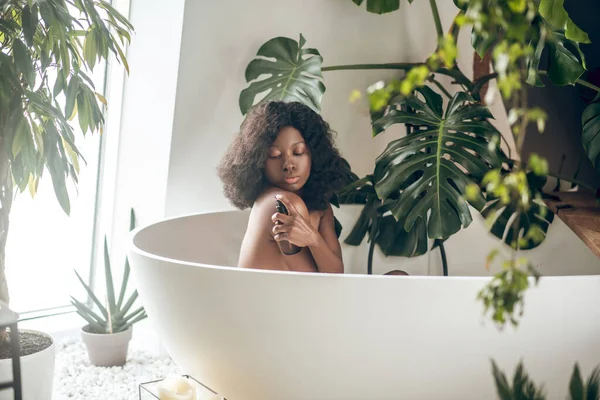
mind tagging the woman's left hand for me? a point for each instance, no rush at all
(294, 227)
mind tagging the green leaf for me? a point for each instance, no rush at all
(139, 318)
(58, 173)
(28, 27)
(501, 217)
(593, 385)
(131, 220)
(361, 227)
(83, 309)
(110, 288)
(380, 6)
(555, 14)
(427, 167)
(93, 296)
(59, 85)
(564, 67)
(121, 313)
(116, 14)
(293, 71)
(134, 314)
(24, 62)
(71, 97)
(394, 240)
(482, 44)
(576, 389)
(89, 49)
(591, 131)
(533, 77)
(122, 57)
(502, 385)
(124, 281)
(83, 313)
(20, 137)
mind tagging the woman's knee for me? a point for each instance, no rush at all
(396, 272)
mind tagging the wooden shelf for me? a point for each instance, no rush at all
(581, 213)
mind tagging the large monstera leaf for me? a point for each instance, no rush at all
(374, 220)
(555, 14)
(501, 218)
(591, 131)
(293, 74)
(432, 166)
(566, 61)
(380, 6)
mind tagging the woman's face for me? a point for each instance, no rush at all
(288, 160)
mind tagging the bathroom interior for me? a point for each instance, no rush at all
(149, 193)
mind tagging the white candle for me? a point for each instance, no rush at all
(177, 388)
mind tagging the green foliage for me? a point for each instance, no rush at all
(504, 295)
(423, 183)
(580, 391)
(46, 47)
(380, 6)
(115, 316)
(555, 14)
(443, 57)
(523, 388)
(288, 79)
(519, 32)
(591, 131)
(375, 220)
(516, 198)
(434, 158)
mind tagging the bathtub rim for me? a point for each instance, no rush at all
(133, 248)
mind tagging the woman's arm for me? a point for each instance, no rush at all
(322, 242)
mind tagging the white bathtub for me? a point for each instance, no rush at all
(263, 335)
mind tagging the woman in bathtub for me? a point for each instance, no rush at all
(285, 151)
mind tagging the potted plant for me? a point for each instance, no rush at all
(451, 156)
(109, 329)
(46, 49)
(425, 184)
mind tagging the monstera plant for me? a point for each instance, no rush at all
(591, 132)
(425, 185)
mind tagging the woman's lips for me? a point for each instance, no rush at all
(291, 181)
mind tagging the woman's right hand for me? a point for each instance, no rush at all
(293, 227)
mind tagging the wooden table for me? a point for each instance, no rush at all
(581, 213)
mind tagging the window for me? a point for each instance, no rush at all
(45, 245)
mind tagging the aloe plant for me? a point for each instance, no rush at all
(115, 316)
(523, 388)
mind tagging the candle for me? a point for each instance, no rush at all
(177, 388)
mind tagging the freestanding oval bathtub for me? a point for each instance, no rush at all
(263, 335)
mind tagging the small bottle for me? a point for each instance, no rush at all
(286, 247)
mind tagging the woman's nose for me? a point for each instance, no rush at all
(287, 164)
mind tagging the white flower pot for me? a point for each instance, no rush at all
(37, 373)
(107, 349)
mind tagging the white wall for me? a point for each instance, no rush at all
(137, 139)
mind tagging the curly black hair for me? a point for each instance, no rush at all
(242, 168)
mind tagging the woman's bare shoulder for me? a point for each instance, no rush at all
(266, 200)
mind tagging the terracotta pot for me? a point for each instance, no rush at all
(37, 372)
(107, 349)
